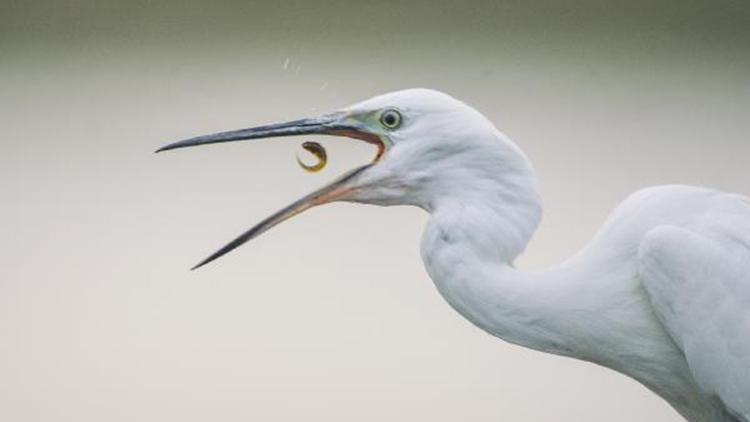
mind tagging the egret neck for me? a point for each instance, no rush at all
(475, 232)
(590, 307)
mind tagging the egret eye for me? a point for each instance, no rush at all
(390, 119)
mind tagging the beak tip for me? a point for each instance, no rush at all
(202, 263)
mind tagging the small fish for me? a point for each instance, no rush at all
(319, 152)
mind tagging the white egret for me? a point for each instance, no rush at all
(661, 294)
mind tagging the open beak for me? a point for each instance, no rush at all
(330, 124)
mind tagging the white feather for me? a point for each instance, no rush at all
(661, 294)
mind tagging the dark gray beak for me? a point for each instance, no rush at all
(327, 124)
(330, 124)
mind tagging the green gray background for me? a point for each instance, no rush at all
(331, 315)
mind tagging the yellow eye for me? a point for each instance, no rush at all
(390, 119)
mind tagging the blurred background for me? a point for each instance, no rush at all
(330, 316)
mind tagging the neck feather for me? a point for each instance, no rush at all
(468, 248)
(473, 236)
(589, 307)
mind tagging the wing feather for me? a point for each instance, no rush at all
(699, 286)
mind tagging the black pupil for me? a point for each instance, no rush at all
(390, 119)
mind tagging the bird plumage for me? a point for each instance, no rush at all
(661, 293)
(598, 306)
(697, 277)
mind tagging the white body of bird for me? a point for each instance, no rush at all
(661, 294)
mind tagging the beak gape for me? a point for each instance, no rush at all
(330, 124)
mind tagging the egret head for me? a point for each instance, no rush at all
(430, 146)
